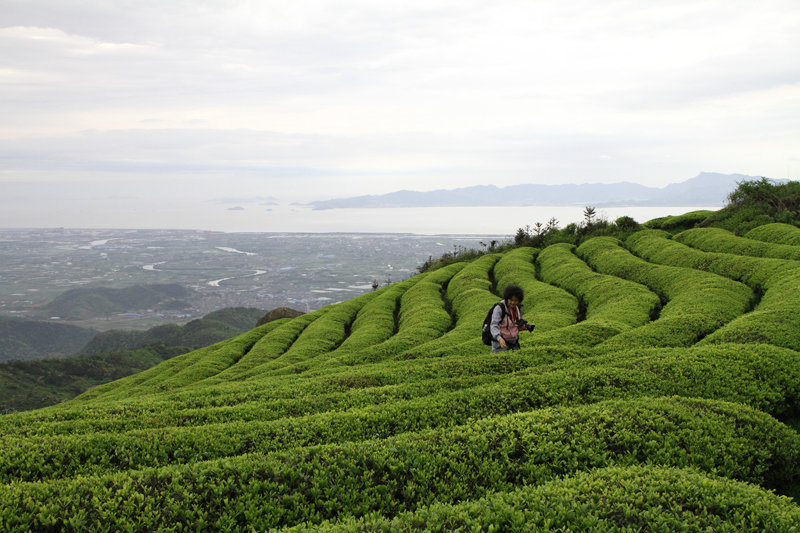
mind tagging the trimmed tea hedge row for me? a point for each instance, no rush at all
(183, 369)
(720, 240)
(613, 305)
(764, 377)
(778, 313)
(679, 222)
(659, 247)
(697, 302)
(470, 293)
(546, 306)
(344, 388)
(470, 296)
(328, 417)
(401, 473)
(777, 233)
(377, 321)
(629, 498)
(271, 346)
(474, 275)
(317, 341)
(422, 317)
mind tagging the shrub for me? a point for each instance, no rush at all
(720, 240)
(546, 306)
(423, 314)
(680, 222)
(609, 499)
(697, 302)
(612, 305)
(778, 233)
(401, 473)
(774, 319)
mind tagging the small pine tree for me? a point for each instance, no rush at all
(589, 213)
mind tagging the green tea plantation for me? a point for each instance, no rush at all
(660, 391)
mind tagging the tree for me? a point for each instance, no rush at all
(589, 214)
(765, 194)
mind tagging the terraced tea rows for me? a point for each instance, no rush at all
(660, 390)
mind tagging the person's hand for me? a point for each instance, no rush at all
(503, 343)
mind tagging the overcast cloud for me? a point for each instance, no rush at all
(308, 100)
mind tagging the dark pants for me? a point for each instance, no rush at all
(511, 345)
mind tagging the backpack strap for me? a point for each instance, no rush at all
(502, 305)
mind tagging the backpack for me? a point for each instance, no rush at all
(487, 333)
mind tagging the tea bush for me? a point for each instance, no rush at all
(697, 303)
(614, 498)
(612, 305)
(400, 473)
(720, 240)
(777, 232)
(548, 307)
(659, 392)
(778, 311)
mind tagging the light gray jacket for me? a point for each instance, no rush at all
(498, 315)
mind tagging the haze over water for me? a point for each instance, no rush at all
(418, 220)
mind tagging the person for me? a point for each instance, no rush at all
(507, 321)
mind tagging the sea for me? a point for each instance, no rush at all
(297, 218)
(420, 220)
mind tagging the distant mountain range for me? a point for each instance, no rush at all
(707, 189)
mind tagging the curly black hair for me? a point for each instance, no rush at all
(513, 290)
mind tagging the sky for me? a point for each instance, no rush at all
(121, 107)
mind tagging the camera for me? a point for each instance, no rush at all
(523, 324)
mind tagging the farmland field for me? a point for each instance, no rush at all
(260, 270)
(660, 391)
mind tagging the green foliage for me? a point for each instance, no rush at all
(423, 314)
(497, 387)
(777, 233)
(400, 473)
(675, 223)
(214, 327)
(33, 384)
(277, 314)
(82, 303)
(22, 339)
(461, 254)
(758, 202)
(112, 355)
(377, 321)
(773, 320)
(469, 296)
(607, 499)
(541, 235)
(658, 392)
(720, 240)
(546, 306)
(773, 199)
(696, 303)
(611, 305)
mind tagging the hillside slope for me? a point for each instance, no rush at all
(22, 339)
(214, 327)
(110, 355)
(659, 391)
(82, 303)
